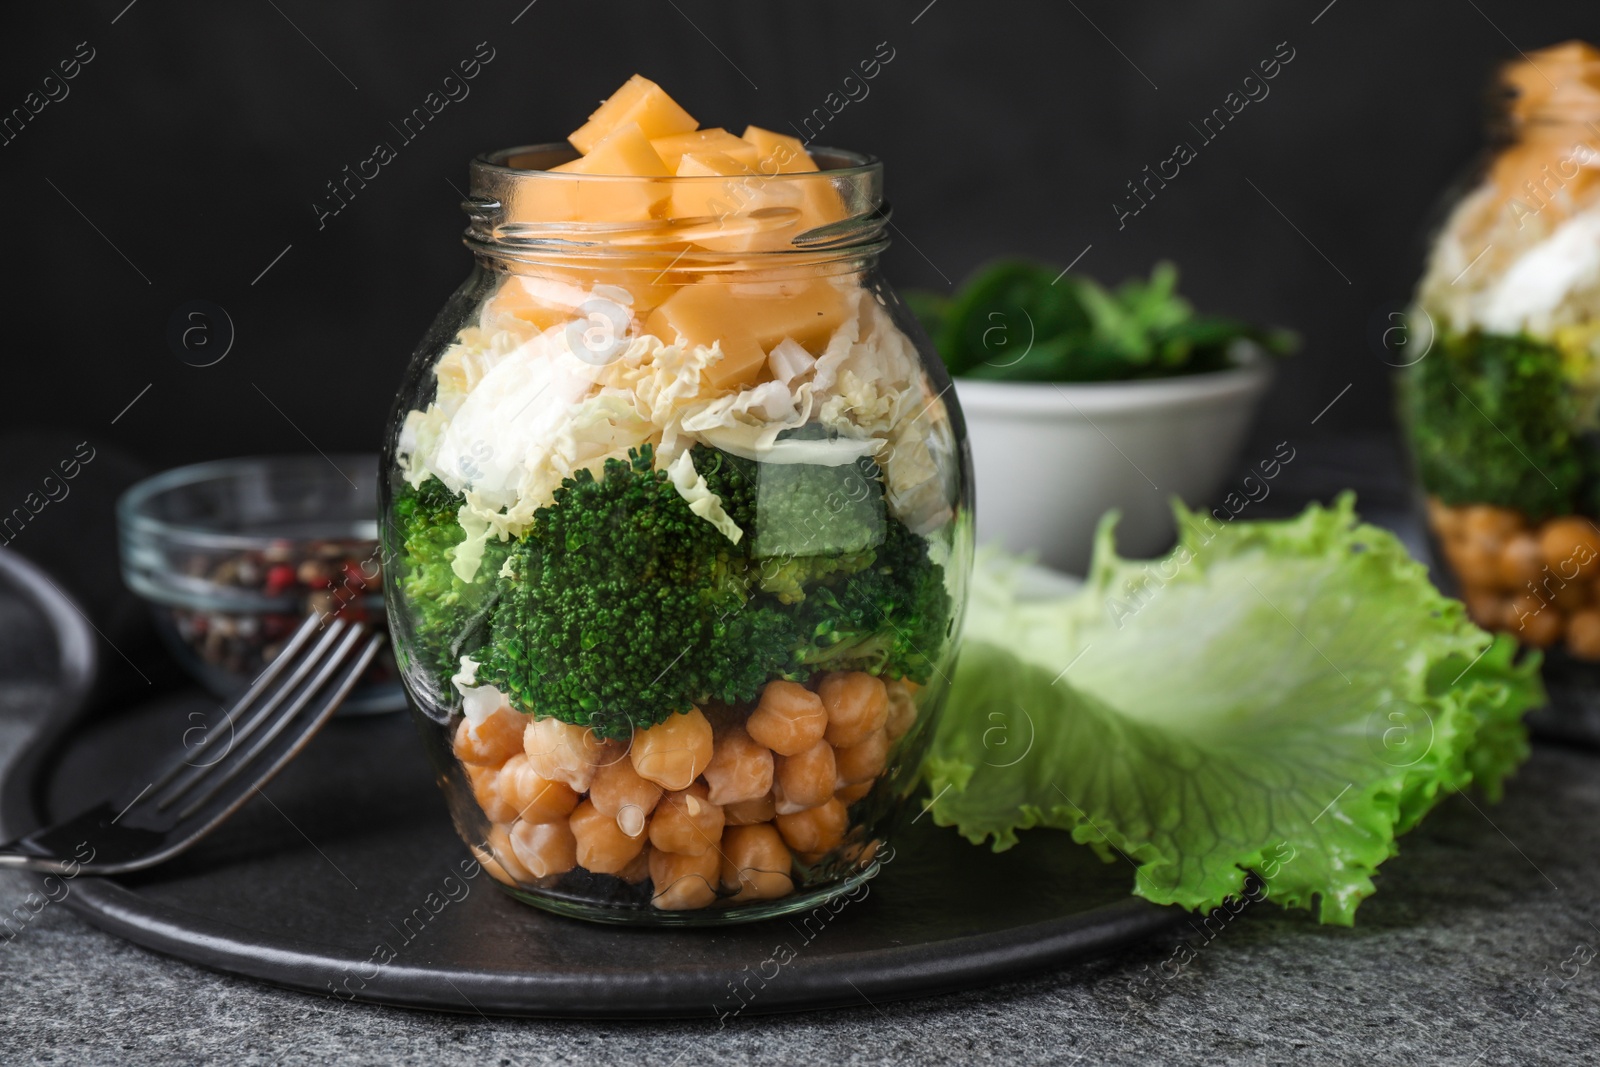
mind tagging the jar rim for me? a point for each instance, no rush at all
(849, 164)
(519, 210)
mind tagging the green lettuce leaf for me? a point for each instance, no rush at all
(1281, 697)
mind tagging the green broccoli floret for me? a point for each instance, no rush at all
(804, 523)
(893, 618)
(789, 577)
(624, 607)
(804, 509)
(1491, 420)
(620, 606)
(448, 617)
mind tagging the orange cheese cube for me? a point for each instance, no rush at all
(749, 319)
(624, 153)
(815, 199)
(807, 310)
(778, 153)
(672, 149)
(699, 198)
(742, 358)
(513, 303)
(822, 203)
(645, 277)
(543, 200)
(710, 165)
(640, 101)
(757, 212)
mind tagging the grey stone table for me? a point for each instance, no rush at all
(1479, 948)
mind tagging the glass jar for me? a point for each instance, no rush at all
(1502, 409)
(676, 537)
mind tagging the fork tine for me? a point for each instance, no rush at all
(257, 687)
(330, 669)
(264, 712)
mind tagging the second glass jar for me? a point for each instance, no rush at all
(1502, 404)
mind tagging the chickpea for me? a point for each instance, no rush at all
(1489, 525)
(486, 791)
(852, 793)
(862, 762)
(619, 792)
(499, 842)
(789, 719)
(493, 741)
(673, 752)
(1541, 630)
(1488, 609)
(536, 799)
(749, 812)
(816, 830)
(806, 780)
(1476, 564)
(1571, 547)
(686, 822)
(545, 849)
(602, 846)
(857, 704)
(902, 708)
(1521, 561)
(1524, 607)
(684, 882)
(739, 769)
(1583, 634)
(755, 863)
(561, 752)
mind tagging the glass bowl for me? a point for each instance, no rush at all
(232, 554)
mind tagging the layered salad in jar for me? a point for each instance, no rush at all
(677, 556)
(1503, 406)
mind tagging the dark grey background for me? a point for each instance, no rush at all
(194, 144)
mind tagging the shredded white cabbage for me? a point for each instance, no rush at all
(518, 411)
(1555, 283)
(478, 702)
(691, 485)
(1514, 273)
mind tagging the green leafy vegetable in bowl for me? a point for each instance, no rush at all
(1290, 695)
(1017, 320)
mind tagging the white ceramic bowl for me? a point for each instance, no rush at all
(1049, 460)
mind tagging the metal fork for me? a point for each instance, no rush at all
(192, 795)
